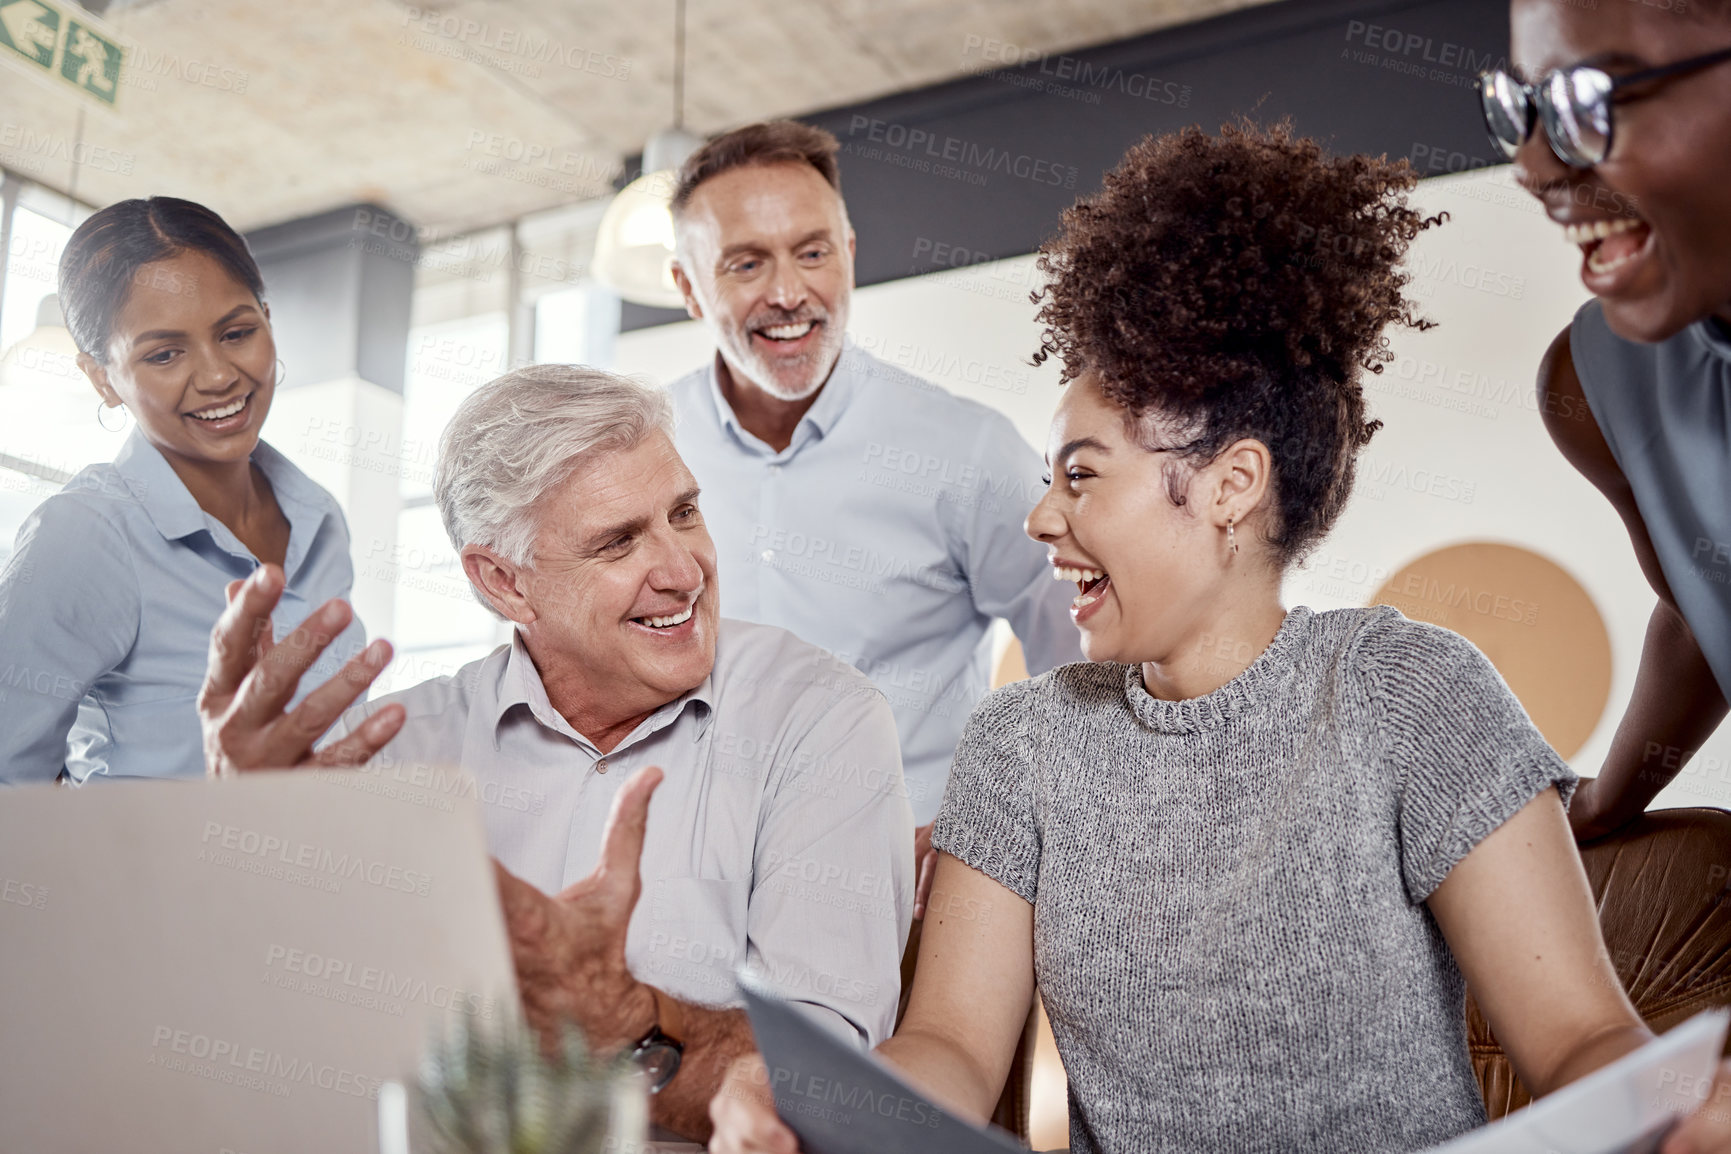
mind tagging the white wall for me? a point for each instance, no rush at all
(1458, 403)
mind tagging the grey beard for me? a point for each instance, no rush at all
(767, 381)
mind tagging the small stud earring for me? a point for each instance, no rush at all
(1231, 538)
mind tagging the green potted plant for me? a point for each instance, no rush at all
(493, 1089)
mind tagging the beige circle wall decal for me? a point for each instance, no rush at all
(1533, 620)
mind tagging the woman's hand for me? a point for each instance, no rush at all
(1708, 1129)
(250, 680)
(743, 1112)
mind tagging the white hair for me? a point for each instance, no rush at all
(518, 437)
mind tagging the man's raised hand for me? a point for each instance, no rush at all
(569, 950)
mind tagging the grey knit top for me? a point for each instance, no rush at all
(1229, 928)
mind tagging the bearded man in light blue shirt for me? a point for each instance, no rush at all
(869, 512)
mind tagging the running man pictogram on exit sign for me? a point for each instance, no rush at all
(91, 61)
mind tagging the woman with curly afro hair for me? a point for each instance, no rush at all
(1249, 855)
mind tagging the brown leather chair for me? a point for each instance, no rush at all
(1662, 887)
(1012, 1111)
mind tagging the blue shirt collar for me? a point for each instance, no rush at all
(520, 684)
(170, 505)
(832, 401)
(156, 486)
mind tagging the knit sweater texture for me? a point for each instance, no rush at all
(1230, 933)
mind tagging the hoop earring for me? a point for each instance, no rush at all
(1231, 539)
(102, 407)
(281, 372)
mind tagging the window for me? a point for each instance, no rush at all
(48, 423)
(439, 624)
(468, 291)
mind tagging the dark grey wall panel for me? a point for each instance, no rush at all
(980, 168)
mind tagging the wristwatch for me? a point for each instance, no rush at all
(658, 1052)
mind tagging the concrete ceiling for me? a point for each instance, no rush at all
(483, 112)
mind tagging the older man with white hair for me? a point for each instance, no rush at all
(781, 832)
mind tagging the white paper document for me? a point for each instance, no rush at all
(1623, 1108)
(233, 966)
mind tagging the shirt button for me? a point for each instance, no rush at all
(768, 556)
(601, 766)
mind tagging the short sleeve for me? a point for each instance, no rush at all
(69, 611)
(987, 819)
(1463, 753)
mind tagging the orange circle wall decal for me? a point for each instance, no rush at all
(1534, 621)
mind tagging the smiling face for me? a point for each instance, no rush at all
(1147, 570)
(191, 355)
(1651, 219)
(619, 604)
(766, 257)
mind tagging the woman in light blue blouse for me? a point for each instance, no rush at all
(106, 605)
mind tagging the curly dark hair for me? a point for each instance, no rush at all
(1230, 286)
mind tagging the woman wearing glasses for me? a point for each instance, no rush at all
(1249, 852)
(1626, 139)
(106, 605)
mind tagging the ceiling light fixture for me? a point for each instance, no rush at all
(634, 246)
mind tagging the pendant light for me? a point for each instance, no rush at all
(634, 244)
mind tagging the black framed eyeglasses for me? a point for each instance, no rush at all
(1573, 103)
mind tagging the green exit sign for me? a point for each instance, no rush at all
(31, 29)
(56, 39)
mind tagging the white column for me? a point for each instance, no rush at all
(347, 435)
